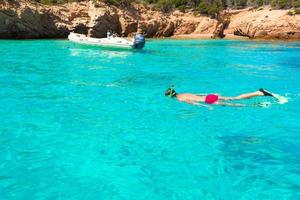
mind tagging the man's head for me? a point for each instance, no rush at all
(139, 31)
(170, 92)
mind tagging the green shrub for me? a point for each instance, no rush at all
(193, 3)
(297, 4)
(178, 3)
(49, 2)
(182, 8)
(203, 7)
(213, 9)
(282, 3)
(267, 2)
(241, 3)
(274, 3)
(297, 11)
(209, 9)
(118, 2)
(165, 5)
(150, 1)
(195, 13)
(260, 3)
(290, 13)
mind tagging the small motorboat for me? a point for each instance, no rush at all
(138, 41)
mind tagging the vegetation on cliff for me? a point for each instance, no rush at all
(209, 7)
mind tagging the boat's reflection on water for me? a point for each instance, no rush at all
(115, 54)
(96, 52)
(108, 53)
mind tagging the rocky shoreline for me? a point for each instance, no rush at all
(26, 20)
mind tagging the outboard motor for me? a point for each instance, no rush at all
(139, 41)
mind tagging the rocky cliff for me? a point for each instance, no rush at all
(264, 23)
(23, 19)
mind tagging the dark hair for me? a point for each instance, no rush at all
(170, 92)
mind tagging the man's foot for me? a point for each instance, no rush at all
(281, 99)
(265, 92)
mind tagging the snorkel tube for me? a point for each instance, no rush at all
(171, 91)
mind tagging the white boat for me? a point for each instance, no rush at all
(137, 42)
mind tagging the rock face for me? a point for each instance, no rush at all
(32, 21)
(265, 23)
(24, 19)
(223, 22)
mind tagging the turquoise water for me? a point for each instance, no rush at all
(84, 123)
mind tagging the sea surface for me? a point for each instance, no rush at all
(85, 123)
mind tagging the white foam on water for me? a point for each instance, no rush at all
(281, 99)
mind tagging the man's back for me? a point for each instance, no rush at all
(188, 97)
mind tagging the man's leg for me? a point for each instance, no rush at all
(243, 96)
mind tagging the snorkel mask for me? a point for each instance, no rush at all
(172, 91)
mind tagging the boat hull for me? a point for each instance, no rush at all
(112, 42)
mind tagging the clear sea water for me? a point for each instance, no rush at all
(84, 123)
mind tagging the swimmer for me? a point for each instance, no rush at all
(203, 99)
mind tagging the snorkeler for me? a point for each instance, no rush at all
(198, 99)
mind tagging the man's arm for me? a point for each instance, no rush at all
(231, 104)
(197, 104)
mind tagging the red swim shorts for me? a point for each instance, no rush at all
(211, 98)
